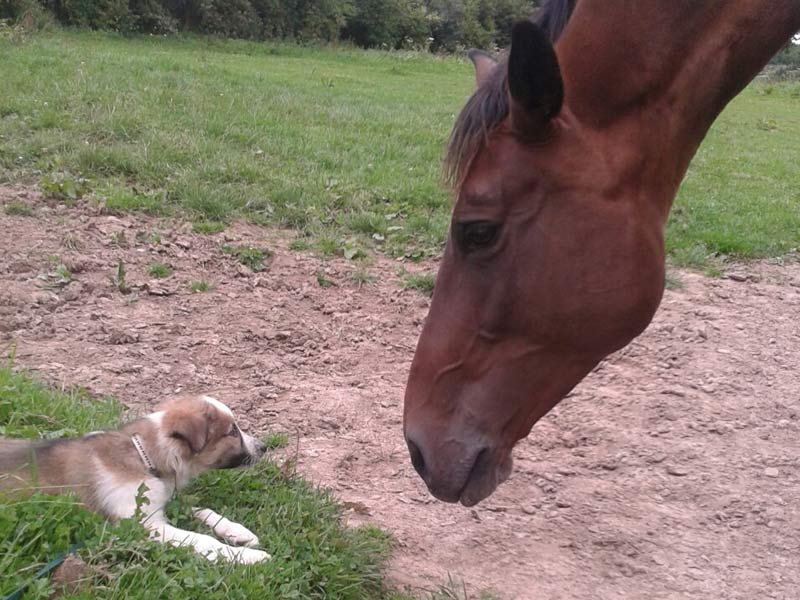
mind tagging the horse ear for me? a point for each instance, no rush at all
(484, 64)
(534, 80)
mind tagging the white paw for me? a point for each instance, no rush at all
(214, 551)
(236, 534)
(246, 556)
(228, 530)
(209, 547)
(204, 545)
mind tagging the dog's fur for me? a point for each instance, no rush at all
(185, 437)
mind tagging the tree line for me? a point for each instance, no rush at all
(436, 25)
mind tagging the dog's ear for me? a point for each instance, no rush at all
(190, 428)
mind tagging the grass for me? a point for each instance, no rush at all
(57, 276)
(275, 440)
(672, 280)
(64, 187)
(159, 270)
(200, 286)
(147, 237)
(121, 199)
(359, 276)
(422, 282)
(208, 227)
(314, 555)
(119, 279)
(18, 209)
(740, 197)
(249, 256)
(322, 279)
(452, 589)
(334, 143)
(31, 410)
(342, 145)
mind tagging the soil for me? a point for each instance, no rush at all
(672, 471)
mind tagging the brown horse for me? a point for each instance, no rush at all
(565, 162)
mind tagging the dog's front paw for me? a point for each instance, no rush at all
(214, 551)
(236, 534)
(246, 556)
(228, 530)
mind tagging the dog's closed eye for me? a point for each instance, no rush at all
(234, 429)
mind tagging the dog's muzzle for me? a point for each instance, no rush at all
(254, 450)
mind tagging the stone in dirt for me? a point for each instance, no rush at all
(70, 577)
(677, 470)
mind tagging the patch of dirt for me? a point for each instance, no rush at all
(672, 471)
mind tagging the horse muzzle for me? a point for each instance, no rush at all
(459, 471)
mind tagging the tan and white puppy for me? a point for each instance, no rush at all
(164, 450)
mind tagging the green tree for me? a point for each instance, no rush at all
(151, 16)
(451, 25)
(95, 14)
(322, 20)
(230, 18)
(459, 26)
(506, 13)
(277, 19)
(388, 23)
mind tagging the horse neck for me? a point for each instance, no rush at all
(667, 68)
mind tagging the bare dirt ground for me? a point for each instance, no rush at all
(673, 471)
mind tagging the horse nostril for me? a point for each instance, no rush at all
(416, 458)
(481, 456)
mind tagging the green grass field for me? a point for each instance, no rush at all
(340, 144)
(314, 555)
(740, 197)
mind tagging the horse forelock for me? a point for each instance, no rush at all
(485, 109)
(488, 105)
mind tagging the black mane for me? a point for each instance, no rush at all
(488, 106)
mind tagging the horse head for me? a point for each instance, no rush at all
(564, 167)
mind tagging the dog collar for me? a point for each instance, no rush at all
(137, 443)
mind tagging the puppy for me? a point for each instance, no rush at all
(164, 450)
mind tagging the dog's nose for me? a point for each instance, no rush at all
(261, 447)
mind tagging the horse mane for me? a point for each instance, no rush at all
(488, 105)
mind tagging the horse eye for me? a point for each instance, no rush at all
(476, 235)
